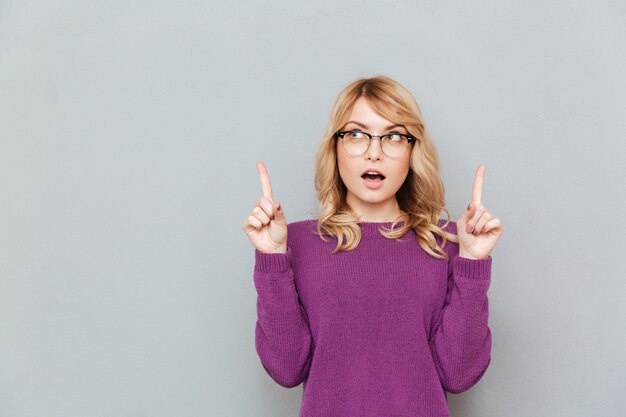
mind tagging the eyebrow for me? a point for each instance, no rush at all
(365, 127)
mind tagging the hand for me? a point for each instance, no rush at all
(266, 226)
(477, 229)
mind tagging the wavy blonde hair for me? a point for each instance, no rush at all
(421, 196)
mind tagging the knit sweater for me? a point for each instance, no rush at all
(383, 330)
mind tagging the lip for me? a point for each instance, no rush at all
(373, 185)
(374, 170)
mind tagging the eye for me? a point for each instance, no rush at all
(395, 137)
(355, 134)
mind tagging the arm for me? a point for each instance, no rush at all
(461, 339)
(283, 338)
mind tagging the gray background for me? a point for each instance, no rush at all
(130, 133)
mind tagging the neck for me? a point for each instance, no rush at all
(386, 211)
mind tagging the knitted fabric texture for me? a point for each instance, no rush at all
(383, 330)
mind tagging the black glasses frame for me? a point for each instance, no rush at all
(341, 134)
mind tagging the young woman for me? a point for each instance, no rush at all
(378, 306)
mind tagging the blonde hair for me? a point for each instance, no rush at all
(421, 196)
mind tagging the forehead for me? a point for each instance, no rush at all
(363, 113)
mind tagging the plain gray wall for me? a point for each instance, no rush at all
(130, 133)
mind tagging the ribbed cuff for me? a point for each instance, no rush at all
(472, 268)
(272, 262)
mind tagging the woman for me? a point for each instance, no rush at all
(374, 319)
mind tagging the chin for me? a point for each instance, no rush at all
(377, 198)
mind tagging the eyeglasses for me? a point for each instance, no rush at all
(356, 142)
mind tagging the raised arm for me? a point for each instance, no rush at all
(282, 337)
(461, 338)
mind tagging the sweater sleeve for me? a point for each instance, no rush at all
(283, 337)
(461, 339)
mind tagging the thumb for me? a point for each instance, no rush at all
(467, 214)
(279, 215)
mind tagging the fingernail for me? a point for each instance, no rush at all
(278, 207)
(469, 207)
(469, 228)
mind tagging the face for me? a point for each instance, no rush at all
(374, 202)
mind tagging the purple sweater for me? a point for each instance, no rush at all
(383, 330)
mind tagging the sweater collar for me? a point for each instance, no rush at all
(371, 228)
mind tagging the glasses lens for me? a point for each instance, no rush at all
(395, 145)
(355, 143)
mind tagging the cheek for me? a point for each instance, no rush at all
(342, 165)
(346, 170)
(401, 173)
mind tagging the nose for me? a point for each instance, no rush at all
(375, 149)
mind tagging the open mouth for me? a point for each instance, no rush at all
(373, 181)
(373, 177)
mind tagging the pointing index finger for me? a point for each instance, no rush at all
(265, 180)
(478, 184)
